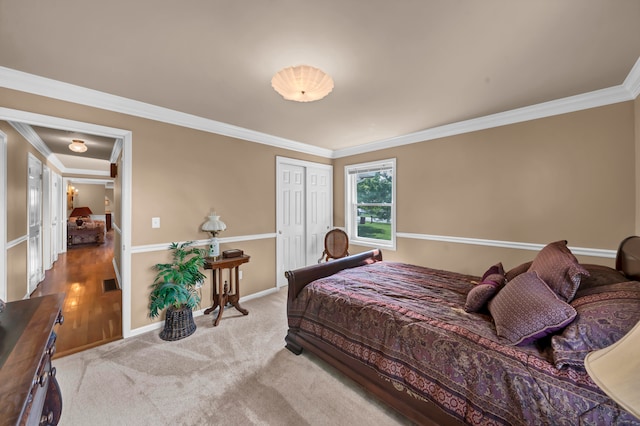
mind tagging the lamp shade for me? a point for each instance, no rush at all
(302, 83)
(616, 370)
(77, 145)
(214, 224)
(81, 212)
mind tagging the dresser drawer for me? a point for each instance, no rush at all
(29, 391)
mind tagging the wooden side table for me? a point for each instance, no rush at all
(223, 293)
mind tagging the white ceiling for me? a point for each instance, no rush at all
(399, 66)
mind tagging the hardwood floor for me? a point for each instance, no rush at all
(92, 317)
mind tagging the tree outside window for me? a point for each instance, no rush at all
(370, 203)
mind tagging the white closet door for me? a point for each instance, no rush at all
(304, 213)
(319, 210)
(291, 220)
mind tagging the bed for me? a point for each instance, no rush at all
(88, 232)
(447, 348)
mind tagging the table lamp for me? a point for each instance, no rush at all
(616, 370)
(79, 213)
(214, 225)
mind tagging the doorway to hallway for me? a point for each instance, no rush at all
(92, 311)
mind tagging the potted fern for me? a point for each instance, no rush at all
(175, 288)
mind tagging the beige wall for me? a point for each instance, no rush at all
(17, 164)
(258, 275)
(565, 177)
(110, 199)
(91, 196)
(17, 272)
(180, 175)
(17, 151)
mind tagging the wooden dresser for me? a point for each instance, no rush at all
(29, 392)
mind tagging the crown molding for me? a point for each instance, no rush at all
(25, 82)
(117, 149)
(90, 181)
(34, 139)
(546, 109)
(18, 80)
(86, 172)
(632, 82)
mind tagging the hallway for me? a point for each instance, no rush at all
(92, 316)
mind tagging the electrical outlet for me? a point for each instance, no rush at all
(199, 284)
(155, 222)
(240, 275)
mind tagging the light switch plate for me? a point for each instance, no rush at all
(155, 222)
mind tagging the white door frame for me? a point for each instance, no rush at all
(280, 279)
(47, 227)
(3, 215)
(56, 200)
(125, 171)
(35, 258)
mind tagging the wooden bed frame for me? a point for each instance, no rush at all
(420, 411)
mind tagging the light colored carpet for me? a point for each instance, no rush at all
(238, 373)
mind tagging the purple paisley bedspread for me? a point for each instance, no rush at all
(408, 323)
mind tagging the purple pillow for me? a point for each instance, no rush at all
(605, 315)
(559, 268)
(495, 269)
(520, 269)
(479, 295)
(491, 280)
(526, 309)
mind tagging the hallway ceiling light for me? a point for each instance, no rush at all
(302, 83)
(77, 145)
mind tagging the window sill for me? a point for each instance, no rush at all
(382, 244)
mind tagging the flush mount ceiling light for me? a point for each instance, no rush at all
(302, 83)
(77, 145)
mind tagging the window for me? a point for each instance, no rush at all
(370, 203)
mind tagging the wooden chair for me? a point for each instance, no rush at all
(626, 261)
(336, 245)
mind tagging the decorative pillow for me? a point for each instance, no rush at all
(599, 275)
(559, 268)
(495, 269)
(479, 295)
(526, 309)
(489, 284)
(604, 316)
(520, 269)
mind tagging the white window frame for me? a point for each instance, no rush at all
(350, 203)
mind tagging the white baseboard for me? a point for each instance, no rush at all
(158, 325)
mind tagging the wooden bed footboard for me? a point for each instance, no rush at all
(299, 278)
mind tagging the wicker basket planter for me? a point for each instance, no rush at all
(178, 324)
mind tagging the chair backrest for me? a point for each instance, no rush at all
(336, 245)
(628, 257)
